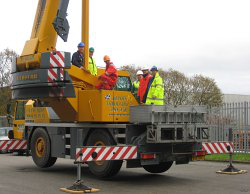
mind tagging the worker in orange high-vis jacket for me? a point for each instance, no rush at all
(143, 88)
(109, 78)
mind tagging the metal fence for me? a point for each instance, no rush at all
(235, 116)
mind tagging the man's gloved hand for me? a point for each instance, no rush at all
(100, 77)
(84, 69)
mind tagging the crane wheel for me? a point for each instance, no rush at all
(41, 149)
(158, 168)
(103, 169)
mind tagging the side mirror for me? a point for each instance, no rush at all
(8, 109)
(9, 116)
(11, 134)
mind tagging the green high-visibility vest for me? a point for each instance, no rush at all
(92, 66)
(156, 91)
(135, 87)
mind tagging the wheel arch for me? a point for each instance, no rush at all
(110, 131)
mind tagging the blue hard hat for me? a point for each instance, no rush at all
(81, 44)
(154, 68)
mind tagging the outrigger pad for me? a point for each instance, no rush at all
(231, 170)
(79, 187)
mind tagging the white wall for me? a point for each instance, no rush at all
(230, 98)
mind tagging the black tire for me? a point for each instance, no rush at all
(104, 169)
(44, 160)
(159, 168)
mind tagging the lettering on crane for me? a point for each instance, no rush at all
(35, 113)
(118, 105)
(27, 77)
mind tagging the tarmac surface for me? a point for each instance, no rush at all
(19, 175)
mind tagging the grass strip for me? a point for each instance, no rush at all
(225, 157)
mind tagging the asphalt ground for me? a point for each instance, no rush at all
(19, 175)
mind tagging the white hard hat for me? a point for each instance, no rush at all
(144, 68)
(139, 72)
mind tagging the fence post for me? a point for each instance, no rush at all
(230, 135)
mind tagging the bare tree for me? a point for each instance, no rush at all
(132, 69)
(6, 58)
(205, 91)
(177, 87)
(182, 90)
(5, 98)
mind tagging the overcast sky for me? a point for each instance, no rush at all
(209, 37)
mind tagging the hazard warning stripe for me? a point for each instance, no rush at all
(9, 145)
(52, 74)
(57, 60)
(102, 153)
(61, 55)
(217, 147)
(2, 144)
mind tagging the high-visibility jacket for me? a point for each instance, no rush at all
(109, 78)
(156, 91)
(143, 86)
(135, 87)
(92, 66)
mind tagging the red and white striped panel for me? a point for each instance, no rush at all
(57, 59)
(101, 153)
(11, 145)
(217, 147)
(52, 74)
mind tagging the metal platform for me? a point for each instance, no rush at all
(168, 124)
(168, 114)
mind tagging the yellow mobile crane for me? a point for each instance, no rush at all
(91, 117)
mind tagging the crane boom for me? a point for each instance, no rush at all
(43, 36)
(45, 74)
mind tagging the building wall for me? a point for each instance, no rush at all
(235, 98)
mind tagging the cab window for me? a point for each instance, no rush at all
(20, 115)
(123, 84)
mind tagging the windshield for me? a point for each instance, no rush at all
(20, 114)
(123, 84)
